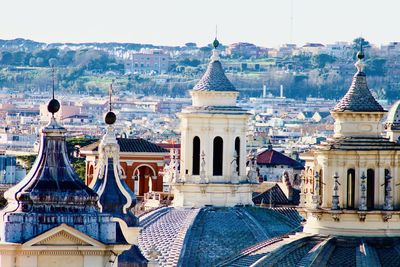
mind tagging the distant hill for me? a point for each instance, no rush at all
(21, 44)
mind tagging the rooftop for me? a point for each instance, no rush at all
(214, 79)
(208, 235)
(130, 145)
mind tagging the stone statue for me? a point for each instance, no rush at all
(252, 172)
(316, 196)
(388, 190)
(203, 169)
(235, 175)
(363, 189)
(150, 184)
(335, 195)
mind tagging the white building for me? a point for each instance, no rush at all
(213, 145)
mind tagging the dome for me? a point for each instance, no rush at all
(358, 98)
(314, 250)
(209, 236)
(214, 79)
(393, 116)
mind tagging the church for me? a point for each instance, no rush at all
(349, 203)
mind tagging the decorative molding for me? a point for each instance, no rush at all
(362, 216)
(317, 215)
(335, 216)
(386, 216)
(62, 234)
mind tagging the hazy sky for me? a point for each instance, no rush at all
(175, 22)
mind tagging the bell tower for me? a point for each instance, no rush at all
(213, 152)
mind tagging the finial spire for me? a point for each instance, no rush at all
(215, 44)
(110, 96)
(360, 55)
(53, 78)
(53, 105)
(110, 117)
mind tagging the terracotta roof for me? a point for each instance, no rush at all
(273, 157)
(214, 79)
(130, 145)
(358, 98)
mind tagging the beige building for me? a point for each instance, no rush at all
(213, 145)
(347, 186)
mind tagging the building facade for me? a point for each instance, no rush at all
(349, 182)
(213, 145)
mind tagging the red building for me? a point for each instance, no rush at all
(140, 159)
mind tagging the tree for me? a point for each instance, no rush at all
(191, 45)
(190, 62)
(320, 60)
(6, 58)
(32, 62)
(375, 66)
(52, 62)
(360, 41)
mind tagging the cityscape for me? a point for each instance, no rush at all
(200, 153)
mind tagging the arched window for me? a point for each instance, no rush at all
(351, 182)
(237, 149)
(196, 156)
(370, 188)
(218, 151)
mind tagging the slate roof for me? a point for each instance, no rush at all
(51, 194)
(111, 197)
(314, 250)
(130, 145)
(272, 157)
(214, 79)
(359, 143)
(164, 235)
(358, 98)
(273, 194)
(204, 237)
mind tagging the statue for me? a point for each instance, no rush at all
(302, 200)
(150, 184)
(388, 190)
(316, 196)
(363, 189)
(335, 195)
(252, 172)
(203, 169)
(235, 175)
(176, 177)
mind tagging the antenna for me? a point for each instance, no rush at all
(216, 31)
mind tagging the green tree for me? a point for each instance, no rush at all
(320, 60)
(375, 66)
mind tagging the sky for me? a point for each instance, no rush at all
(266, 23)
